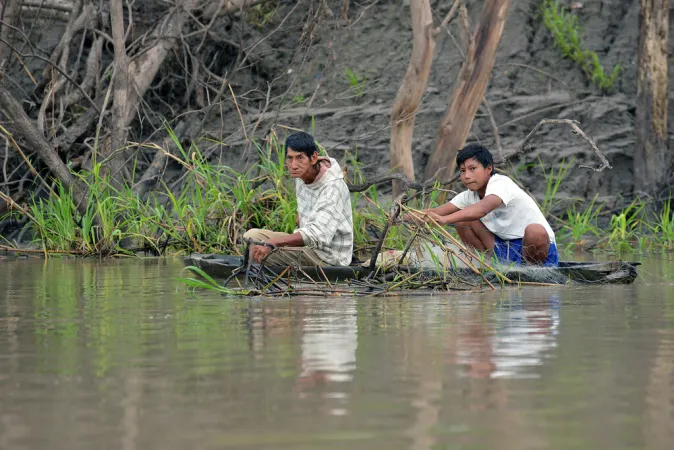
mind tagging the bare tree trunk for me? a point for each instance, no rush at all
(651, 161)
(470, 88)
(24, 128)
(133, 78)
(8, 13)
(411, 90)
(120, 95)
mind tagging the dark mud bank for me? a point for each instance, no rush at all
(344, 85)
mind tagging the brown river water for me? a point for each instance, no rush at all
(116, 354)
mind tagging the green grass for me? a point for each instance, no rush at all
(566, 32)
(262, 14)
(625, 228)
(581, 223)
(553, 181)
(356, 82)
(663, 227)
(209, 213)
(216, 204)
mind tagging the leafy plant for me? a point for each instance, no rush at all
(567, 36)
(553, 180)
(663, 228)
(624, 227)
(260, 15)
(356, 82)
(581, 223)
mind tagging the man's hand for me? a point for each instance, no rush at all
(259, 252)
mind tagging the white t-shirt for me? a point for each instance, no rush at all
(509, 220)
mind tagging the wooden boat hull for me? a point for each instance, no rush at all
(612, 272)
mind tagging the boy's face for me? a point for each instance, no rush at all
(299, 164)
(473, 175)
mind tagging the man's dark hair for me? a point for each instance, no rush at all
(477, 151)
(301, 142)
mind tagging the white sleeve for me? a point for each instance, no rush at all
(503, 188)
(460, 200)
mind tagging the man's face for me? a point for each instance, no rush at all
(473, 175)
(299, 164)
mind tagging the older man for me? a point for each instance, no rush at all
(325, 233)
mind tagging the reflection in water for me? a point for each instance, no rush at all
(514, 337)
(329, 344)
(524, 335)
(115, 354)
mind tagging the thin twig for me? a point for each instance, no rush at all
(448, 18)
(243, 125)
(494, 127)
(576, 129)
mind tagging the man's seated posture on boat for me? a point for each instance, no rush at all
(325, 225)
(495, 214)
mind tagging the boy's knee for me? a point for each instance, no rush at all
(471, 225)
(536, 234)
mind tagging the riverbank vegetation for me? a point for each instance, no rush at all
(214, 205)
(91, 168)
(567, 32)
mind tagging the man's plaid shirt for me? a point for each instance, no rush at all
(326, 222)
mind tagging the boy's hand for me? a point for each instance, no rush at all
(415, 218)
(440, 220)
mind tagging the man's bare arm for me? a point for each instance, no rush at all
(293, 240)
(258, 252)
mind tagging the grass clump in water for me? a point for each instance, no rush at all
(566, 33)
(580, 224)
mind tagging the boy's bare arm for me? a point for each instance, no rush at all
(472, 212)
(443, 210)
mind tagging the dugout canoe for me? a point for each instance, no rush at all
(610, 272)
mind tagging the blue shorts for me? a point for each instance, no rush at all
(511, 251)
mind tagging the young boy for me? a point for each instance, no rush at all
(495, 214)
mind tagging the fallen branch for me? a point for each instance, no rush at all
(523, 146)
(576, 130)
(27, 131)
(32, 170)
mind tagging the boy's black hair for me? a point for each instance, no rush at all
(301, 142)
(477, 151)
